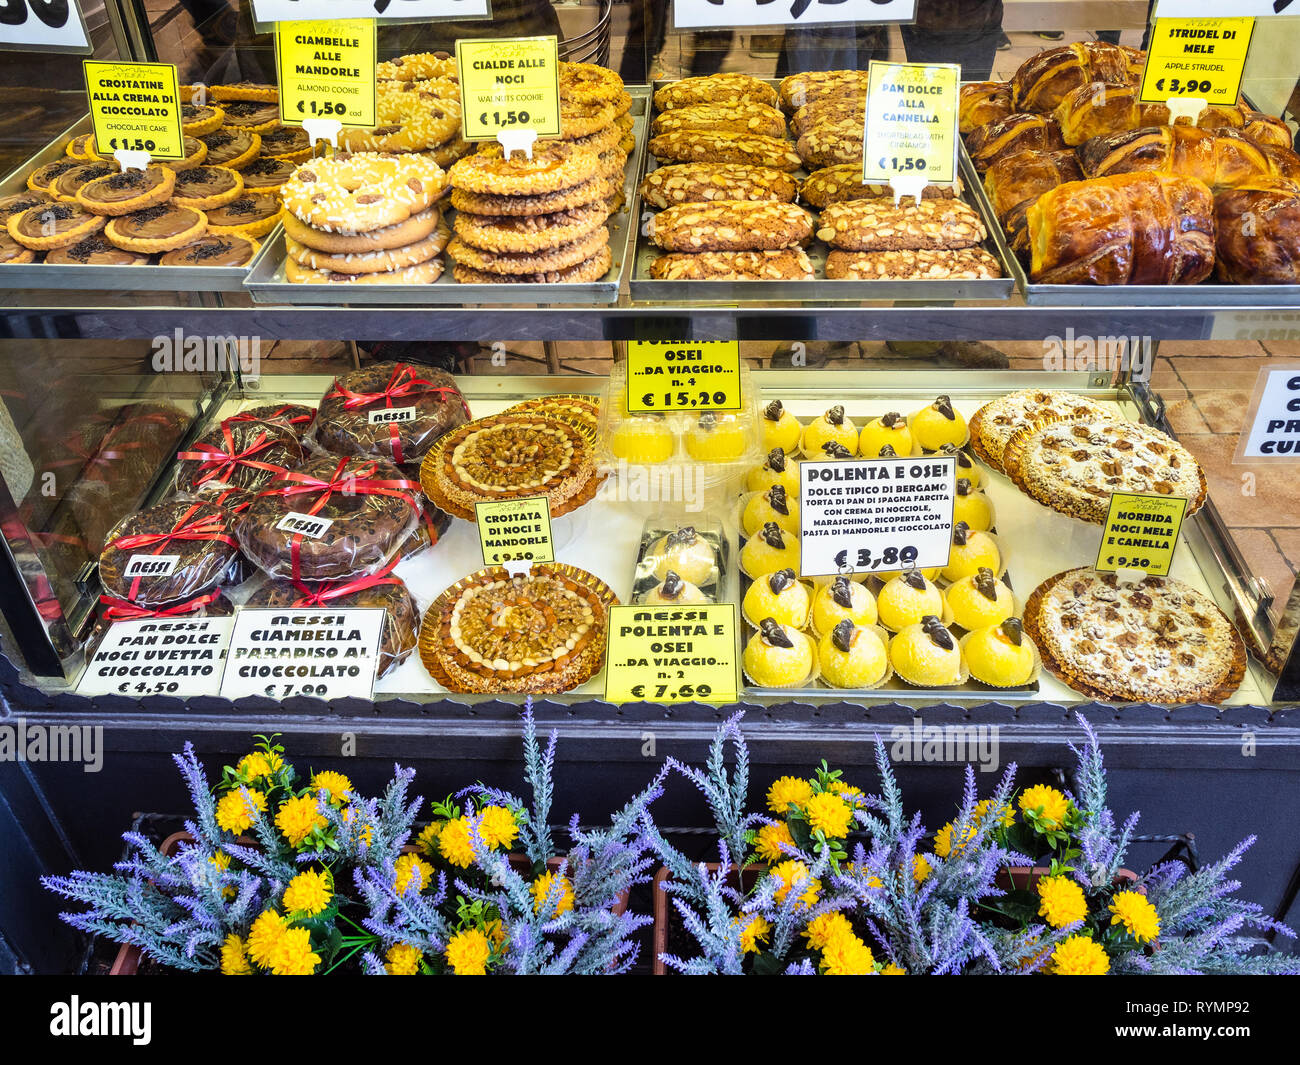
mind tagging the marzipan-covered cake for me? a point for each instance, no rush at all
(543, 631)
(1156, 640)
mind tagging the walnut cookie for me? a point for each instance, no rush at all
(731, 225)
(362, 191)
(595, 190)
(558, 257)
(555, 165)
(593, 269)
(506, 233)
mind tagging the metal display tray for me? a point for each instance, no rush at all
(266, 281)
(821, 289)
(106, 278)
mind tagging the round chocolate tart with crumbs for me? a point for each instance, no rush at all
(539, 632)
(247, 216)
(181, 549)
(235, 148)
(198, 119)
(267, 174)
(257, 115)
(127, 190)
(287, 140)
(43, 177)
(20, 202)
(212, 250)
(364, 527)
(66, 186)
(13, 252)
(205, 187)
(53, 225)
(95, 251)
(158, 228)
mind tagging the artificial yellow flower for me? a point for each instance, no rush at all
(847, 956)
(1061, 901)
(428, 837)
(264, 937)
(258, 764)
(1079, 955)
(1051, 806)
(234, 961)
(921, 868)
(943, 843)
(826, 927)
(454, 843)
(754, 934)
(402, 959)
(293, 955)
(846, 791)
(221, 860)
(335, 783)
(768, 840)
(236, 809)
(893, 970)
(792, 873)
(829, 813)
(1007, 815)
(1136, 914)
(785, 791)
(496, 934)
(542, 887)
(411, 869)
(298, 818)
(872, 881)
(468, 953)
(308, 893)
(497, 827)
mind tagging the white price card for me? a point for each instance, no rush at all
(1218, 9)
(181, 657)
(43, 26)
(724, 14)
(379, 10)
(875, 514)
(283, 652)
(1274, 417)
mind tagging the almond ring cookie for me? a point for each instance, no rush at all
(425, 273)
(590, 83)
(421, 66)
(55, 225)
(127, 191)
(384, 260)
(159, 228)
(555, 165)
(339, 242)
(412, 123)
(206, 187)
(198, 120)
(557, 258)
(363, 191)
(595, 190)
(529, 233)
(593, 269)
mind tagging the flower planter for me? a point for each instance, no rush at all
(662, 912)
(1025, 877)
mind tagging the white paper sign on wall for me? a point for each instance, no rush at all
(1273, 418)
(723, 14)
(1218, 9)
(380, 10)
(43, 26)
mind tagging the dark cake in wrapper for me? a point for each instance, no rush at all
(176, 550)
(297, 417)
(238, 454)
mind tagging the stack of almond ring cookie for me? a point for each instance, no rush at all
(543, 220)
(365, 218)
(418, 109)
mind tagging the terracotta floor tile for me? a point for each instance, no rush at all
(1266, 561)
(1288, 541)
(1283, 349)
(1224, 409)
(1184, 416)
(1276, 500)
(1211, 349)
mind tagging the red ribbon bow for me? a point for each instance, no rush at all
(210, 527)
(326, 591)
(403, 383)
(218, 464)
(277, 415)
(123, 610)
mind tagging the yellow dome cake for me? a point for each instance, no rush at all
(684, 552)
(672, 589)
(842, 600)
(926, 654)
(967, 467)
(939, 424)
(717, 438)
(773, 505)
(830, 428)
(779, 595)
(851, 656)
(832, 450)
(780, 427)
(889, 430)
(906, 599)
(1001, 655)
(778, 469)
(779, 656)
(972, 507)
(971, 550)
(769, 550)
(642, 439)
(979, 600)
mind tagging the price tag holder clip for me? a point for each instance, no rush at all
(129, 160)
(323, 129)
(517, 140)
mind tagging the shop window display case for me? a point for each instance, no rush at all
(110, 371)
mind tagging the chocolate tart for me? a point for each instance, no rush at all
(257, 116)
(240, 452)
(11, 252)
(95, 250)
(66, 186)
(199, 119)
(206, 187)
(196, 153)
(541, 632)
(234, 148)
(247, 216)
(287, 142)
(244, 90)
(159, 228)
(53, 225)
(191, 563)
(1157, 640)
(510, 456)
(267, 175)
(127, 191)
(19, 202)
(81, 147)
(212, 250)
(40, 179)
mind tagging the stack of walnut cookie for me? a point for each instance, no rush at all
(542, 218)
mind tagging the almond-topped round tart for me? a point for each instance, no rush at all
(53, 225)
(235, 148)
(159, 228)
(207, 186)
(95, 250)
(1074, 466)
(128, 190)
(583, 411)
(66, 186)
(247, 216)
(539, 632)
(200, 119)
(1157, 640)
(993, 425)
(509, 456)
(257, 116)
(212, 249)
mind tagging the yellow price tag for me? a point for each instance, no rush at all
(509, 84)
(911, 126)
(515, 530)
(676, 375)
(327, 70)
(135, 107)
(1196, 58)
(1141, 532)
(671, 654)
